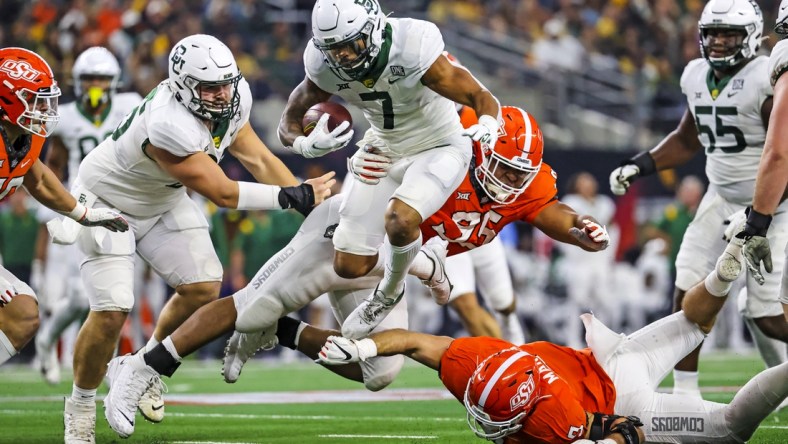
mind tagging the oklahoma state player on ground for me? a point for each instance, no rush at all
(28, 114)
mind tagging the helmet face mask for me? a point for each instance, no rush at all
(201, 68)
(349, 35)
(719, 22)
(28, 91)
(506, 170)
(96, 76)
(781, 24)
(501, 393)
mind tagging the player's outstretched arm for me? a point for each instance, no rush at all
(424, 348)
(46, 188)
(677, 148)
(255, 156)
(200, 173)
(772, 179)
(301, 99)
(562, 223)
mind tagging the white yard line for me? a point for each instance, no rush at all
(380, 436)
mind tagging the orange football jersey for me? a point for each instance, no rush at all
(14, 168)
(572, 383)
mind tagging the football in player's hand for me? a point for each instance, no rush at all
(337, 114)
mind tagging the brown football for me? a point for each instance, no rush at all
(337, 113)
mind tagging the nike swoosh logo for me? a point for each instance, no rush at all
(731, 94)
(131, 421)
(347, 355)
(157, 407)
(395, 80)
(24, 163)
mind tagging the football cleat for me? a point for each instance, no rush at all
(372, 311)
(151, 404)
(129, 379)
(439, 284)
(242, 346)
(729, 265)
(79, 421)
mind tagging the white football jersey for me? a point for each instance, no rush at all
(728, 118)
(778, 61)
(406, 116)
(80, 133)
(121, 173)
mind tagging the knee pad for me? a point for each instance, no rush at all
(381, 371)
(108, 283)
(255, 311)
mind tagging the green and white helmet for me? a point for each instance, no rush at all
(96, 61)
(743, 15)
(781, 26)
(201, 60)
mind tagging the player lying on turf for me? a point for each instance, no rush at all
(302, 270)
(544, 393)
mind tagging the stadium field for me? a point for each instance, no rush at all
(302, 403)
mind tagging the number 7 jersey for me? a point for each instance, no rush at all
(727, 115)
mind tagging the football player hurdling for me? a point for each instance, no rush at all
(729, 101)
(84, 123)
(771, 183)
(170, 142)
(394, 70)
(607, 393)
(256, 311)
(28, 115)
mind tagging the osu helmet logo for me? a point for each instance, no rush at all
(19, 69)
(524, 393)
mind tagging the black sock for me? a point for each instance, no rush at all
(161, 360)
(286, 330)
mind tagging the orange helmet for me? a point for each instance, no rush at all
(506, 170)
(501, 393)
(28, 91)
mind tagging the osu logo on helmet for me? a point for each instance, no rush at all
(509, 167)
(501, 393)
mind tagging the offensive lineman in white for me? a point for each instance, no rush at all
(395, 72)
(730, 100)
(85, 122)
(172, 141)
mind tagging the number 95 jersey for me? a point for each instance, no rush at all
(728, 118)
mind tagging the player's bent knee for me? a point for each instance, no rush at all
(351, 266)
(380, 372)
(20, 320)
(775, 327)
(200, 292)
(255, 312)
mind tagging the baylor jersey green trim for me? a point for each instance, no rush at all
(96, 121)
(716, 86)
(381, 60)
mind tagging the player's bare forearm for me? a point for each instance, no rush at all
(458, 84)
(301, 99)
(772, 179)
(46, 188)
(678, 147)
(556, 220)
(255, 156)
(424, 348)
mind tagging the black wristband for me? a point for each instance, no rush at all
(757, 223)
(301, 198)
(644, 162)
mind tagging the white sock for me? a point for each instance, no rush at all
(7, 349)
(397, 266)
(683, 380)
(82, 396)
(716, 286)
(422, 267)
(167, 343)
(300, 329)
(152, 342)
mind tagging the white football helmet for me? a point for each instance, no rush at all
(344, 27)
(199, 61)
(96, 61)
(742, 15)
(781, 25)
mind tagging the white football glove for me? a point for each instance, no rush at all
(593, 235)
(7, 292)
(733, 225)
(98, 217)
(339, 350)
(367, 166)
(621, 178)
(320, 141)
(485, 132)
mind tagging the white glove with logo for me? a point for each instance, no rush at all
(7, 292)
(592, 236)
(339, 350)
(320, 141)
(485, 132)
(733, 225)
(621, 178)
(98, 217)
(367, 166)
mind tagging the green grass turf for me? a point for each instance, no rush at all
(40, 421)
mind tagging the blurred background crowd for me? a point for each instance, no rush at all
(600, 76)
